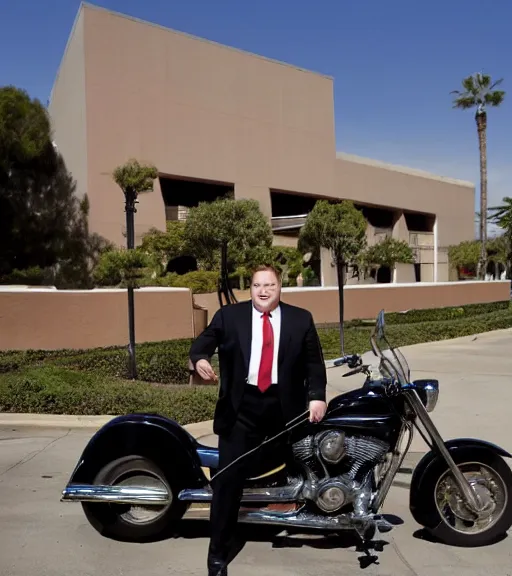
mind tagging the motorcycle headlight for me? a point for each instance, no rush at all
(428, 391)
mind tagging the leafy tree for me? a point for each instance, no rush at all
(289, 260)
(162, 247)
(479, 92)
(465, 255)
(341, 228)
(238, 223)
(388, 252)
(24, 130)
(43, 224)
(502, 216)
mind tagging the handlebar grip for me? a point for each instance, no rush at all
(352, 360)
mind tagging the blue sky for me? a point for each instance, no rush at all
(394, 63)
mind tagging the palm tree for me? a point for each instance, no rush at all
(479, 91)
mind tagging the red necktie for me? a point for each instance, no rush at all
(267, 355)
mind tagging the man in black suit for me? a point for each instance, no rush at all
(271, 370)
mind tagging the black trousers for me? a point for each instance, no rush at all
(260, 416)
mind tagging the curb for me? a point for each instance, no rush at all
(93, 423)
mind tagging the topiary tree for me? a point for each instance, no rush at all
(133, 178)
(238, 224)
(121, 268)
(161, 247)
(341, 228)
(388, 252)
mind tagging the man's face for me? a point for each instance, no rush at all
(265, 291)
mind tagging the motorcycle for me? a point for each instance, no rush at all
(140, 474)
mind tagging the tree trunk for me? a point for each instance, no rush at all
(340, 269)
(481, 123)
(130, 238)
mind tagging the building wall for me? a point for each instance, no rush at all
(452, 201)
(198, 109)
(201, 110)
(38, 318)
(67, 107)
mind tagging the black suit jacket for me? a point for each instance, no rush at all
(301, 368)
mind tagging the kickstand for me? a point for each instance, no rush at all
(365, 545)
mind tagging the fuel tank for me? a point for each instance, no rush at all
(365, 412)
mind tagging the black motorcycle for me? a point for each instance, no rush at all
(141, 473)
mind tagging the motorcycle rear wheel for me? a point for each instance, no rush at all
(131, 523)
(443, 512)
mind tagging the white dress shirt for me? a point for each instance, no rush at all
(257, 343)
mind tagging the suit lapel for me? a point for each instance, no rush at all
(285, 336)
(244, 322)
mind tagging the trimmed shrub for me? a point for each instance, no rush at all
(162, 362)
(57, 390)
(198, 281)
(445, 313)
(357, 338)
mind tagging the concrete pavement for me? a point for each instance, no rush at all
(475, 378)
(42, 537)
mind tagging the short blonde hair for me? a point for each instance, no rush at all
(266, 268)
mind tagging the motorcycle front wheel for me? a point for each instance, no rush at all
(441, 509)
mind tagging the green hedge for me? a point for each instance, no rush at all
(92, 381)
(162, 362)
(57, 390)
(446, 313)
(357, 338)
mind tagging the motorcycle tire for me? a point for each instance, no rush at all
(428, 514)
(123, 521)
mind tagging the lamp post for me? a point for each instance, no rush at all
(133, 178)
(130, 199)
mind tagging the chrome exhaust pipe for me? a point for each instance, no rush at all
(304, 520)
(262, 495)
(115, 494)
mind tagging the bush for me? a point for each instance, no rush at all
(357, 336)
(199, 281)
(162, 362)
(446, 313)
(57, 390)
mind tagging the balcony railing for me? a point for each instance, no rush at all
(283, 223)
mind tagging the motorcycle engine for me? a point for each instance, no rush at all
(337, 466)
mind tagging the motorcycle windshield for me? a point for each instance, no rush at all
(392, 362)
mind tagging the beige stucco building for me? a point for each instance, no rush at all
(213, 120)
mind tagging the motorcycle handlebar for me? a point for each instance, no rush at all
(352, 360)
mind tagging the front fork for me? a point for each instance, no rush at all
(467, 490)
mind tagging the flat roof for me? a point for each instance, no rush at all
(402, 169)
(193, 37)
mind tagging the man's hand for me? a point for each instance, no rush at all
(317, 410)
(205, 370)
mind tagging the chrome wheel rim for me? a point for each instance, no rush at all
(490, 490)
(142, 514)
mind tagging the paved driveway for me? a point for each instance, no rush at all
(475, 376)
(42, 537)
